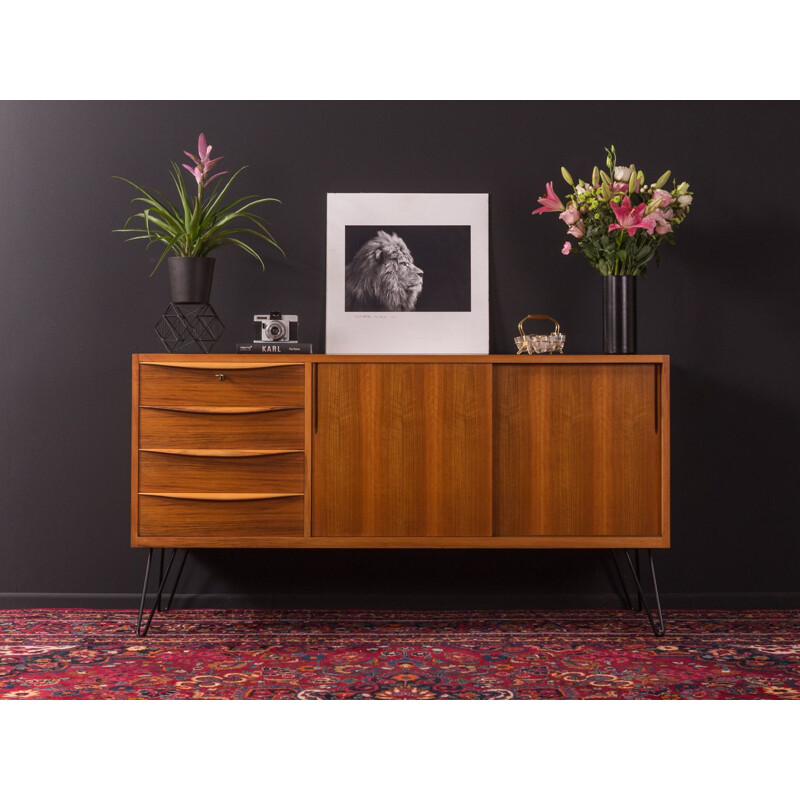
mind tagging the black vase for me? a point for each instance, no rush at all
(190, 279)
(619, 314)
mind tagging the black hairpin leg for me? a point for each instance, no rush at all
(163, 575)
(658, 626)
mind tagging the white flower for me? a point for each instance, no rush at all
(622, 173)
(580, 189)
(685, 200)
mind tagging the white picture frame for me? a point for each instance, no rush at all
(450, 313)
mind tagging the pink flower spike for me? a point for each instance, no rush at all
(202, 147)
(193, 157)
(565, 250)
(218, 175)
(550, 202)
(193, 170)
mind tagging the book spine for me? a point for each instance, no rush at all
(273, 347)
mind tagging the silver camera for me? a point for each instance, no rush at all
(275, 327)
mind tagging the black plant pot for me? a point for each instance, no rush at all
(190, 279)
(619, 314)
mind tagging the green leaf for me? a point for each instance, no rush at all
(148, 198)
(245, 247)
(177, 179)
(164, 254)
(225, 189)
(234, 214)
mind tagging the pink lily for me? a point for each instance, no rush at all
(630, 219)
(550, 202)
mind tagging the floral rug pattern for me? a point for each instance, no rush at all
(419, 655)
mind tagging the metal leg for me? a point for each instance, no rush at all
(658, 627)
(163, 576)
(144, 591)
(177, 580)
(639, 598)
(622, 581)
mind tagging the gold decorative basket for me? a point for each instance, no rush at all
(540, 344)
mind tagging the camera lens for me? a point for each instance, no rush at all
(275, 331)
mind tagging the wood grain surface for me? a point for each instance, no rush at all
(192, 521)
(165, 385)
(281, 430)
(577, 451)
(402, 450)
(169, 472)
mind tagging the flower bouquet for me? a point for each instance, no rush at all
(618, 220)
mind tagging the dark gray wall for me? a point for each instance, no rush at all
(76, 302)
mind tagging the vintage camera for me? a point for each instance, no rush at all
(275, 327)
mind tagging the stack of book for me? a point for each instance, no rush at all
(274, 347)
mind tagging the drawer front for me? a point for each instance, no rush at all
(172, 386)
(264, 430)
(198, 519)
(232, 472)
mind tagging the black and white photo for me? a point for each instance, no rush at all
(407, 273)
(407, 268)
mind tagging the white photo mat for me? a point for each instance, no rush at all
(419, 331)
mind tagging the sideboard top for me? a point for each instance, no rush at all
(255, 358)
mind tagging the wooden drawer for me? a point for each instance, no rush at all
(220, 518)
(172, 386)
(221, 471)
(261, 430)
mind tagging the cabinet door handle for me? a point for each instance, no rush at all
(220, 376)
(315, 376)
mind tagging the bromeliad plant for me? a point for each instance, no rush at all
(618, 220)
(201, 223)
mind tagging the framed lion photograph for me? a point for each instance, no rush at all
(407, 273)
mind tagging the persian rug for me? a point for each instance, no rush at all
(420, 655)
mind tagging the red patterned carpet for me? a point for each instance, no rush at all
(489, 655)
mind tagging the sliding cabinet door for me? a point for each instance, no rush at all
(402, 450)
(578, 451)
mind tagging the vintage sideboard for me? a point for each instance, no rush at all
(399, 451)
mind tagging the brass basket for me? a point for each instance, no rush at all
(540, 344)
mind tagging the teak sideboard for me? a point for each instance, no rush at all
(400, 451)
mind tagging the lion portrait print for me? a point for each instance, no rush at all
(382, 276)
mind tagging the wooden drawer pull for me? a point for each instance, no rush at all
(218, 365)
(218, 496)
(224, 409)
(217, 453)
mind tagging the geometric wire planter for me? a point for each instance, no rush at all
(185, 324)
